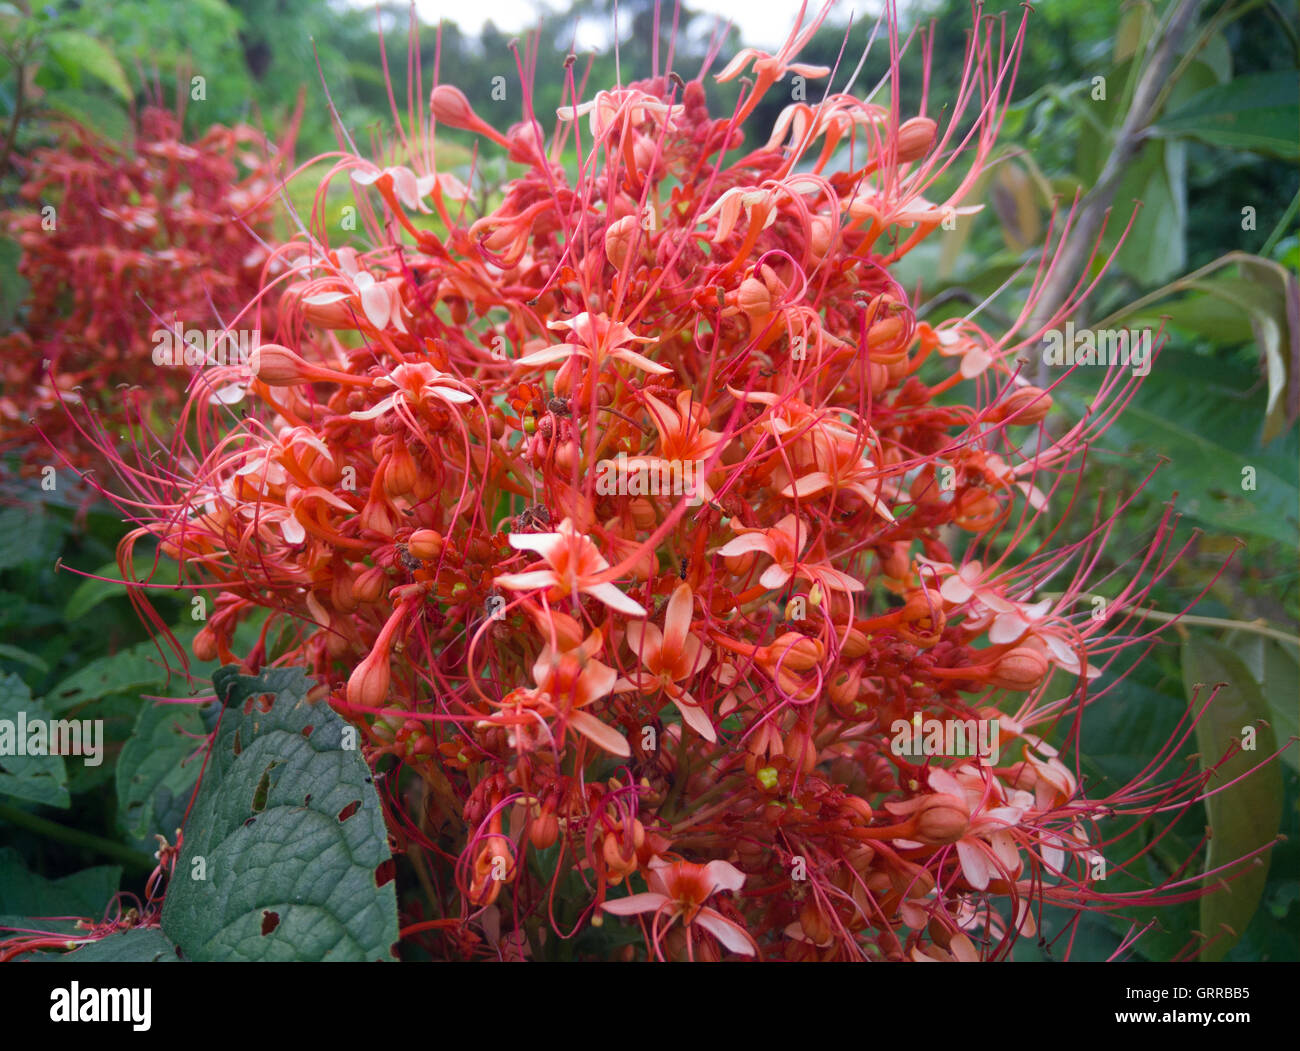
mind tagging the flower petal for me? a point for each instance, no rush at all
(597, 732)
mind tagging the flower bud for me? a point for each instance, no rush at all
(619, 236)
(448, 105)
(915, 137)
(278, 366)
(369, 585)
(342, 596)
(793, 652)
(205, 644)
(1024, 408)
(544, 830)
(368, 683)
(941, 818)
(855, 644)
(1021, 669)
(754, 299)
(425, 544)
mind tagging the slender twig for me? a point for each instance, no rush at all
(1162, 51)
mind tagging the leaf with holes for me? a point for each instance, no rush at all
(287, 834)
(1245, 815)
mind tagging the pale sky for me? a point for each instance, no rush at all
(764, 23)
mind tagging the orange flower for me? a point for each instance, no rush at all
(574, 561)
(678, 890)
(671, 657)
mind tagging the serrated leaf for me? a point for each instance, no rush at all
(78, 52)
(291, 833)
(36, 778)
(1243, 816)
(151, 779)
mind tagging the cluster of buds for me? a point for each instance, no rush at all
(662, 707)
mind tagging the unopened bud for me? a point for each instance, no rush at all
(1021, 669)
(425, 544)
(915, 137)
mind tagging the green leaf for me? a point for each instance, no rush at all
(28, 535)
(125, 672)
(291, 835)
(153, 787)
(1155, 248)
(27, 898)
(1277, 670)
(1246, 815)
(77, 52)
(92, 591)
(36, 778)
(1263, 302)
(1205, 464)
(13, 287)
(1258, 112)
(14, 653)
(98, 114)
(139, 945)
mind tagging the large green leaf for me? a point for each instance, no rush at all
(79, 52)
(141, 945)
(1155, 248)
(153, 787)
(1276, 668)
(29, 534)
(289, 833)
(125, 672)
(1262, 302)
(1168, 418)
(1258, 112)
(36, 778)
(1244, 816)
(96, 589)
(29, 900)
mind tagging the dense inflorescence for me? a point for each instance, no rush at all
(622, 517)
(122, 242)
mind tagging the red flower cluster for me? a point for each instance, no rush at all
(623, 516)
(127, 250)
